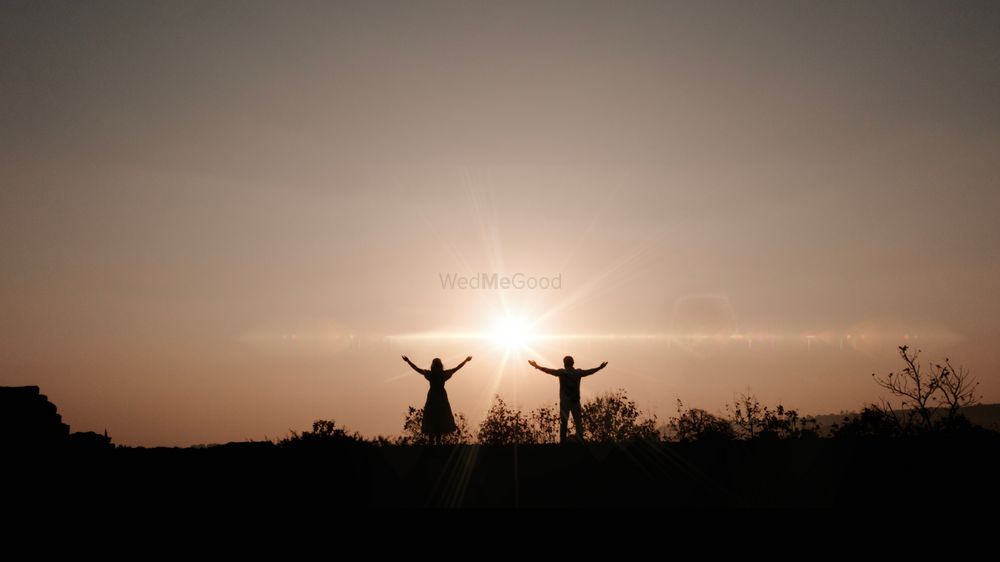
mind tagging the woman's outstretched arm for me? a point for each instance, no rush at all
(415, 368)
(451, 372)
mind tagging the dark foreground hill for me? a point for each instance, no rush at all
(779, 473)
(45, 466)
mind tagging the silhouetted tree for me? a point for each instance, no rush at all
(747, 416)
(413, 435)
(930, 399)
(914, 387)
(613, 417)
(786, 423)
(695, 424)
(504, 425)
(958, 388)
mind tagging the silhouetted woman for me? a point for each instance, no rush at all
(438, 419)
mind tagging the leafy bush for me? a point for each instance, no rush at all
(545, 423)
(412, 434)
(614, 417)
(504, 425)
(695, 424)
(611, 417)
(871, 422)
(752, 420)
(323, 432)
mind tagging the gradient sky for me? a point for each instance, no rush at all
(223, 220)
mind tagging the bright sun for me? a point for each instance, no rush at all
(511, 333)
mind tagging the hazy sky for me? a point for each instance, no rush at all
(223, 220)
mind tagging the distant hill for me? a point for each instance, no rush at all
(984, 415)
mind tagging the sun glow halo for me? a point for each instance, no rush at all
(511, 334)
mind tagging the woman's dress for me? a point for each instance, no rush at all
(438, 418)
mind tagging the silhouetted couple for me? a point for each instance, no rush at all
(439, 421)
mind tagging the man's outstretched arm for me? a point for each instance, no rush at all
(588, 372)
(543, 369)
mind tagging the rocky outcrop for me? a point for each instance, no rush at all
(27, 418)
(89, 440)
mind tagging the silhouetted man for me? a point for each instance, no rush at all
(569, 393)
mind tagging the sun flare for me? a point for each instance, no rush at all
(511, 333)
